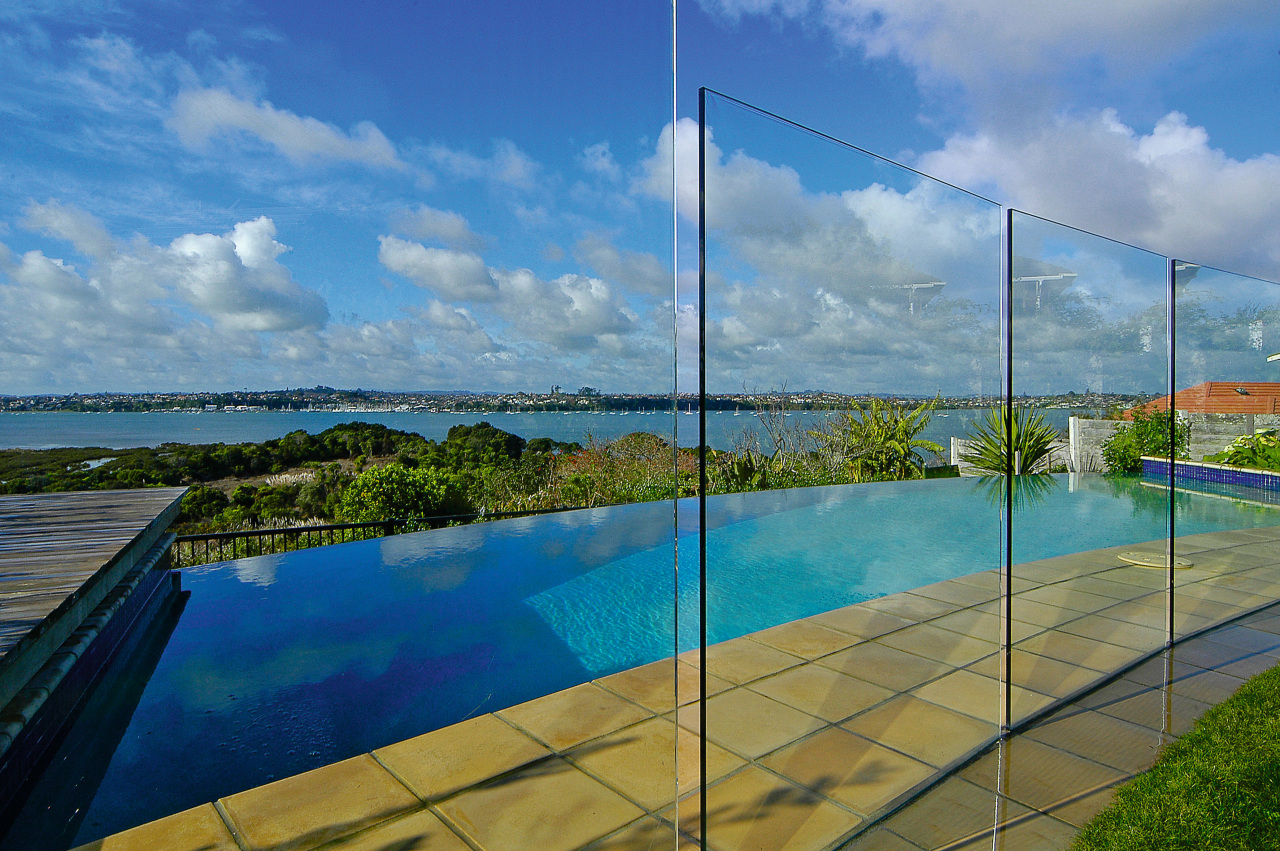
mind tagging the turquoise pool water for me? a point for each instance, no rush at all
(279, 664)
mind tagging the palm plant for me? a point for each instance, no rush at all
(880, 443)
(1017, 441)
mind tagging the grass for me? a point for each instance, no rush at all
(1218, 787)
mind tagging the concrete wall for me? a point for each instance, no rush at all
(1210, 433)
(1086, 438)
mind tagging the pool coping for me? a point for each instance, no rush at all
(605, 747)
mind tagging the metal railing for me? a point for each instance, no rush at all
(210, 547)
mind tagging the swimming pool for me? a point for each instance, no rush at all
(279, 664)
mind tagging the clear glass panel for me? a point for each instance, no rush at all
(852, 331)
(428, 216)
(1228, 408)
(1089, 331)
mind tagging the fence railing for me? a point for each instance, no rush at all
(210, 547)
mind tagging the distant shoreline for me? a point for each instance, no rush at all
(328, 400)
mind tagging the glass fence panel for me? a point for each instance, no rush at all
(407, 282)
(1089, 348)
(1227, 470)
(851, 315)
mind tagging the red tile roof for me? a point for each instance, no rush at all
(1223, 397)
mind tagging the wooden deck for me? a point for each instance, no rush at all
(60, 554)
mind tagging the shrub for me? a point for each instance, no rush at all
(393, 491)
(1147, 434)
(1260, 451)
(1019, 440)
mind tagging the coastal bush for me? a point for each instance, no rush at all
(1148, 433)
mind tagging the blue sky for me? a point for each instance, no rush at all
(443, 195)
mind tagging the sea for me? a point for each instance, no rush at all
(725, 429)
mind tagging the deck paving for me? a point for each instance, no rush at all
(874, 727)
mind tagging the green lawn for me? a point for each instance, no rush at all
(1218, 787)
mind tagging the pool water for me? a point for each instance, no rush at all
(280, 664)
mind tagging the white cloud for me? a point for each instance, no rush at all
(236, 280)
(203, 114)
(74, 225)
(1168, 190)
(992, 46)
(432, 225)
(638, 271)
(676, 150)
(456, 275)
(508, 166)
(598, 159)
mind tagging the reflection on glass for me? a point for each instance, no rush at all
(1089, 334)
(1227, 406)
(852, 310)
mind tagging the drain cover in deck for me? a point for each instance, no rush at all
(1153, 560)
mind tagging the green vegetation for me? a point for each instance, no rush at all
(875, 442)
(363, 471)
(1146, 434)
(1215, 789)
(360, 472)
(397, 491)
(1260, 451)
(880, 443)
(1019, 440)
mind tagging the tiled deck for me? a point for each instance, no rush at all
(819, 731)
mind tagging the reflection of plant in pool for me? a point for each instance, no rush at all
(881, 443)
(1019, 440)
(1147, 434)
(1028, 489)
(1261, 451)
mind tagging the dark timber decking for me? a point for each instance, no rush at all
(60, 554)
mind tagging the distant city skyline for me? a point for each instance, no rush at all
(479, 195)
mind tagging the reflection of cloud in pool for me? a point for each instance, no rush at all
(431, 565)
(251, 677)
(260, 570)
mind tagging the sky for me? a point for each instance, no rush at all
(498, 196)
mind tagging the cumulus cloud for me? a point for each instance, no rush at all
(138, 311)
(635, 270)
(573, 313)
(873, 287)
(202, 114)
(432, 225)
(1168, 190)
(459, 275)
(236, 280)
